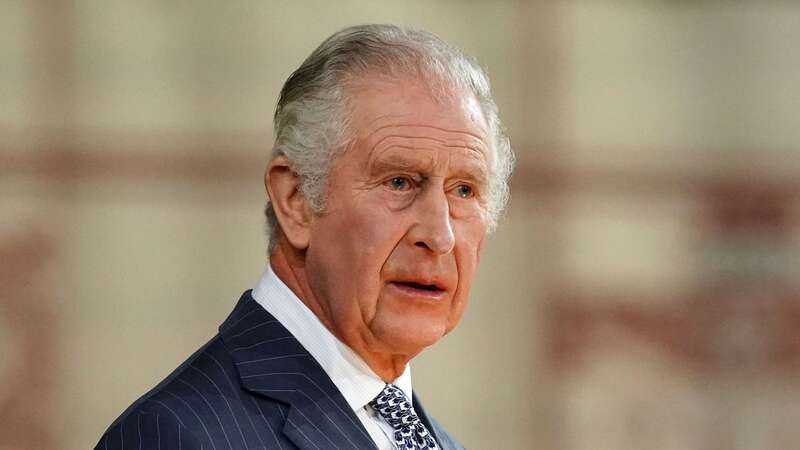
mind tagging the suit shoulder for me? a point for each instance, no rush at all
(171, 402)
(146, 427)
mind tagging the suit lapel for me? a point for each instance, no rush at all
(442, 438)
(271, 363)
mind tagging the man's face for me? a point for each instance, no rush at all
(392, 259)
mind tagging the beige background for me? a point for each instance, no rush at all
(642, 291)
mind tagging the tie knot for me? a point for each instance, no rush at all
(393, 405)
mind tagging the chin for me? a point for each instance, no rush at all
(408, 340)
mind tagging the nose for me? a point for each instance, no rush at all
(433, 229)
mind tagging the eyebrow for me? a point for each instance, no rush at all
(395, 161)
(479, 177)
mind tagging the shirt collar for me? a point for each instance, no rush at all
(357, 382)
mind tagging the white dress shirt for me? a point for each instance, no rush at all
(352, 376)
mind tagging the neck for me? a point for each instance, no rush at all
(288, 264)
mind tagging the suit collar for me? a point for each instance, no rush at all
(272, 363)
(356, 381)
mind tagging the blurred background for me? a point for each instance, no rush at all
(642, 292)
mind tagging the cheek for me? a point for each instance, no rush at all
(375, 233)
(357, 231)
(471, 236)
(352, 243)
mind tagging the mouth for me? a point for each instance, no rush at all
(419, 289)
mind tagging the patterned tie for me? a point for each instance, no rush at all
(409, 432)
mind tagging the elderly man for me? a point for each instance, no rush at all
(388, 171)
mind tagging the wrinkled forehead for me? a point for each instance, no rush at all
(377, 133)
(381, 108)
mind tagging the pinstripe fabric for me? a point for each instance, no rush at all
(253, 386)
(357, 382)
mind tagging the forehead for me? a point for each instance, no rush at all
(384, 110)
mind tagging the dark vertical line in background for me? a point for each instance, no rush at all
(27, 405)
(541, 31)
(53, 33)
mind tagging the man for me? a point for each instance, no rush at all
(388, 171)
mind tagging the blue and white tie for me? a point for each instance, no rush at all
(409, 432)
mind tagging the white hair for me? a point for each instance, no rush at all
(312, 116)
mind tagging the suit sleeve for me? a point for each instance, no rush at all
(148, 430)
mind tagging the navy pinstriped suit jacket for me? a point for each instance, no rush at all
(253, 386)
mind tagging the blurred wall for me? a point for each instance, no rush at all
(642, 291)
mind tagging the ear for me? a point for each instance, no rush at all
(290, 205)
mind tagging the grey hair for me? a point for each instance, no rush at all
(311, 122)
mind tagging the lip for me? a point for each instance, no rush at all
(407, 289)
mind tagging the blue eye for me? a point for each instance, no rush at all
(399, 183)
(464, 191)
